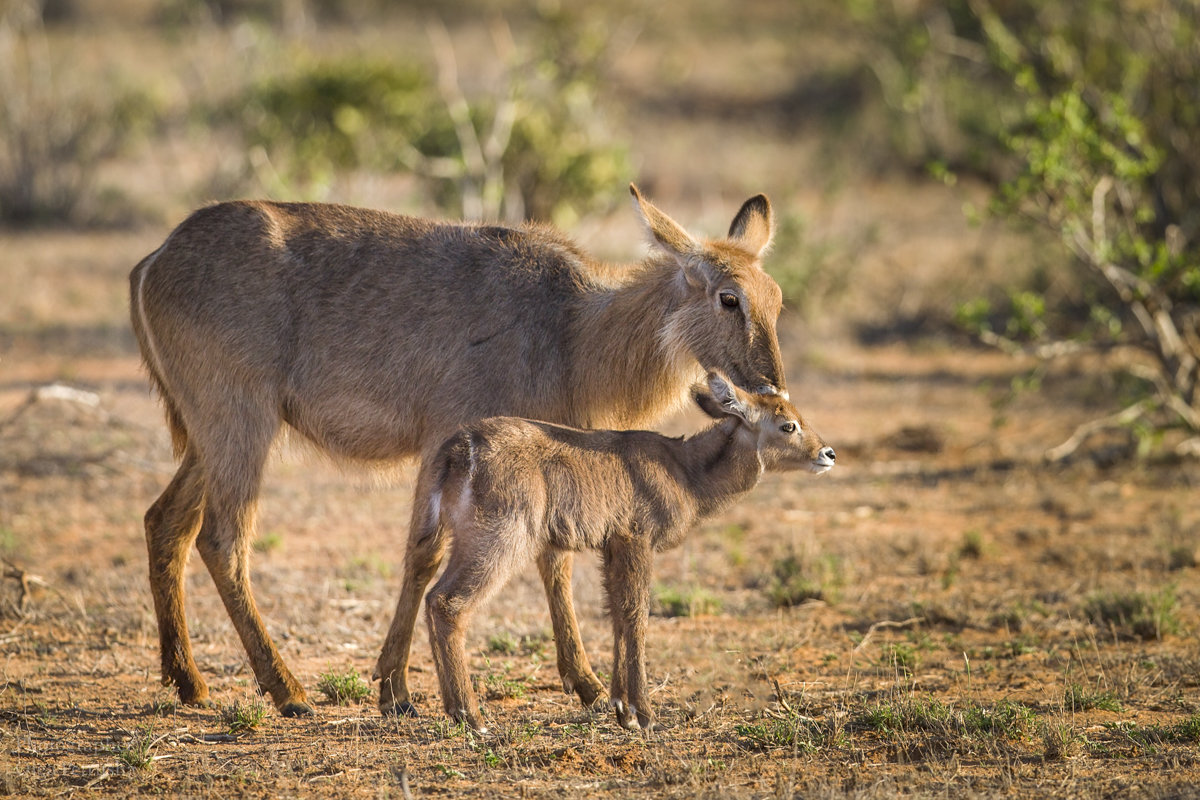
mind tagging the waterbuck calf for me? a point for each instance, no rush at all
(375, 336)
(504, 490)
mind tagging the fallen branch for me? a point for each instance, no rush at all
(887, 623)
(1121, 419)
(53, 391)
(11, 570)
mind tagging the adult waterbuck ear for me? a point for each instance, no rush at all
(753, 226)
(664, 231)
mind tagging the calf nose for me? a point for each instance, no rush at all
(827, 454)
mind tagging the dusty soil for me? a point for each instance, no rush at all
(944, 614)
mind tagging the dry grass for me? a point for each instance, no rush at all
(980, 675)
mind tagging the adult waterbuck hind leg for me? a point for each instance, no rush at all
(210, 502)
(172, 525)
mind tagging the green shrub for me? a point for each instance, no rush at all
(55, 132)
(796, 580)
(1077, 698)
(326, 116)
(791, 731)
(243, 717)
(535, 149)
(1085, 118)
(930, 716)
(138, 753)
(685, 601)
(343, 688)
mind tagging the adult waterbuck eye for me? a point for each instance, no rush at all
(729, 300)
(788, 427)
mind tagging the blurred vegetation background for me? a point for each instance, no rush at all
(1075, 122)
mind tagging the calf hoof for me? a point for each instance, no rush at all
(296, 708)
(590, 691)
(401, 709)
(630, 718)
(465, 717)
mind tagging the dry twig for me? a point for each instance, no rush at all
(887, 623)
(11, 570)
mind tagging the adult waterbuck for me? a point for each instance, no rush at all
(503, 491)
(374, 336)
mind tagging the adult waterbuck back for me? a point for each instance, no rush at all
(375, 336)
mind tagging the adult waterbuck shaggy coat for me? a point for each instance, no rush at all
(502, 491)
(375, 336)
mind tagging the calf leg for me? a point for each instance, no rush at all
(481, 560)
(426, 546)
(573, 665)
(628, 563)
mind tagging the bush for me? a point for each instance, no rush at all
(343, 688)
(54, 135)
(1086, 118)
(1108, 156)
(323, 117)
(685, 601)
(797, 579)
(533, 148)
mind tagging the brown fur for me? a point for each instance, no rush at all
(375, 336)
(503, 490)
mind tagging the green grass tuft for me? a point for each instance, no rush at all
(138, 753)
(1139, 615)
(686, 601)
(243, 717)
(343, 688)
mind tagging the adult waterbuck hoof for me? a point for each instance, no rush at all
(196, 699)
(296, 709)
(401, 709)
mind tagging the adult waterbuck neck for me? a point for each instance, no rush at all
(375, 336)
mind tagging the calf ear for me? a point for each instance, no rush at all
(753, 226)
(702, 397)
(727, 398)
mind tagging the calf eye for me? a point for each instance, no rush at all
(788, 427)
(729, 299)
